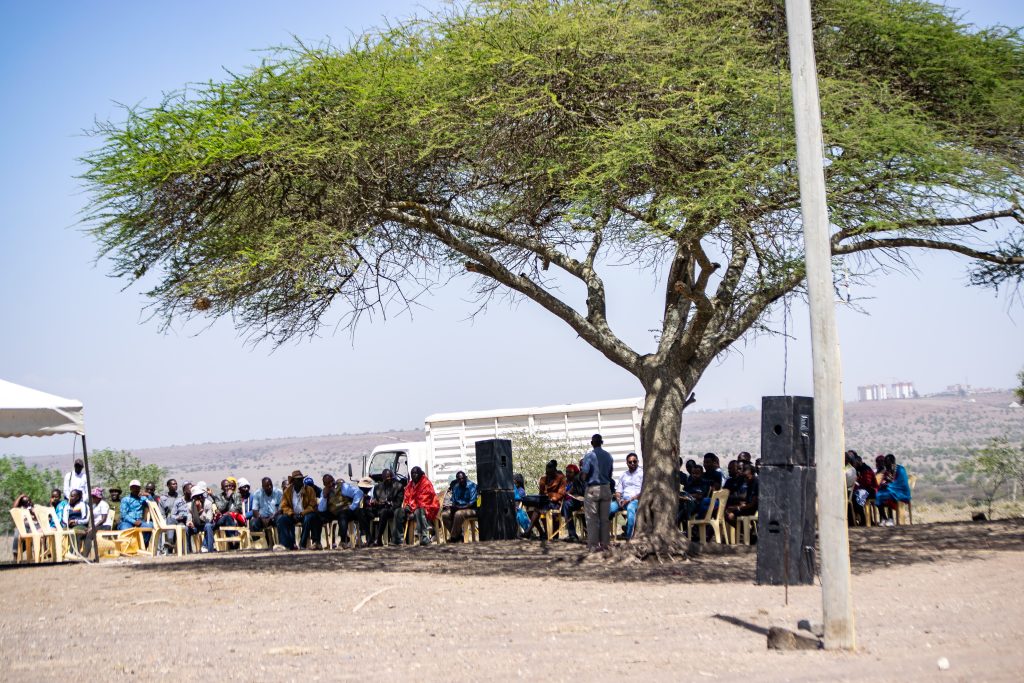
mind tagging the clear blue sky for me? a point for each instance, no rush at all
(67, 328)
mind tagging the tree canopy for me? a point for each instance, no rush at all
(526, 144)
(17, 478)
(111, 468)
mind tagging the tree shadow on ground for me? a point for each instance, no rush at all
(876, 547)
(871, 549)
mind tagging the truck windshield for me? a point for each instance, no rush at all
(381, 461)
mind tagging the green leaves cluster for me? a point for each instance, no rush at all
(109, 468)
(17, 478)
(532, 451)
(658, 123)
(993, 469)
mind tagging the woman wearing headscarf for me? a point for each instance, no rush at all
(552, 487)
(522, 518)
(894, 491)
(575, 490)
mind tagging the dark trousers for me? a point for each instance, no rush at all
(569, 506)
(346, 516)
(286, 529)
(384, 515)
(453, 517)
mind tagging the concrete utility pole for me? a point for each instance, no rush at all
(837, 601)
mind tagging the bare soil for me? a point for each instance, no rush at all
(517, 610)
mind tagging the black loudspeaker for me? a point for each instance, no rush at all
(785, 525)
(787, 430)
(497, 515)
(494, 465)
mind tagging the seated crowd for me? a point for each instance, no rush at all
(299, 510)
(885, 487)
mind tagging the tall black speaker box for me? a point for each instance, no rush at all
(494, 465)
(496, 515)
(787, 430)
(785, 525)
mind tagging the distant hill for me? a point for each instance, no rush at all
(930, 435)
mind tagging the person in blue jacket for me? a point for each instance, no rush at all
(893, 493)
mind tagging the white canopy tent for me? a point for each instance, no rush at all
(29, 412)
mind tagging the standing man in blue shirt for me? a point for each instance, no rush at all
(597, 473)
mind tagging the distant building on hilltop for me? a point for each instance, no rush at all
(881, 392)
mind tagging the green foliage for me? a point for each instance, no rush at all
(531, 453)
(993, 467)
(334, 175)
(17, 478)
(1019, 391)
(110, 468)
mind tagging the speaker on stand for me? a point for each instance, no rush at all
(496, 515)
(787, 492)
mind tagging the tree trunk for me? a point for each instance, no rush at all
(656, 534)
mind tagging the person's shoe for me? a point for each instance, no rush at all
(204, 549)
(378, 543)
(345, 540)
(425, 540)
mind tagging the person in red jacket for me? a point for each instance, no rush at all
(421, 503)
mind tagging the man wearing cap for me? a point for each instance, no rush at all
(76, 480)
(245, 497)
(597, 475)
(264, 506)
(201, 517)
(132, 507)
(298, 506)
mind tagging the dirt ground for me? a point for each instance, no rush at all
(517, 610)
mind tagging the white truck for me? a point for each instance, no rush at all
(451, 437)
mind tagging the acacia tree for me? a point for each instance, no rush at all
(529, 144)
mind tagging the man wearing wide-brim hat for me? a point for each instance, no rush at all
(298, 505)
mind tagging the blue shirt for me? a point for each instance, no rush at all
(354, 492)
(263, 505)
(464, 496)
(899, 488)
(60, 511)
(597, 467)
(131, 508)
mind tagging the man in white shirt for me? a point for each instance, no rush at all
(627, 493)
(76, 480)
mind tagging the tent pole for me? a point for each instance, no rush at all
(95, 545)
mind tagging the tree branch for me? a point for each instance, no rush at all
(594, 331)
(901, 242)
(949, 222)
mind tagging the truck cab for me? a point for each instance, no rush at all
(397, 457)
